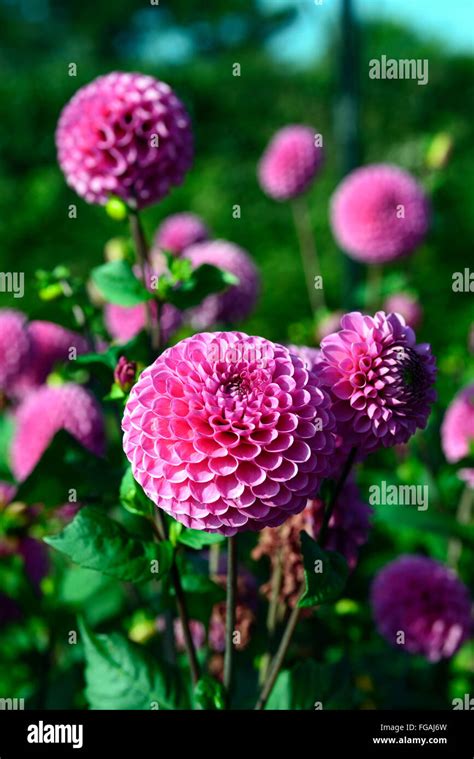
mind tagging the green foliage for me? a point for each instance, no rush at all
(325, 573)
(118, 284)
(120, 675)
(133, 498)
(199, 538)
(95, 541)
(209, 694)
(186, 288)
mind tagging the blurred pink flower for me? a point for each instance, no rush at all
(238, 301)
(424, 600)
(221, 432)
(15, 347)
(179, 231)
(406, 305)
(124, 134)
(379, 213)
(46, 411)
(457, 429)
(380, 380)
(290, 162)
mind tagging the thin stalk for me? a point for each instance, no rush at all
(230, 616)
(277, 574)
(279, 657)
(141, 248)
(309, 253)
(463, 516)
(374, 286)
(160, 531)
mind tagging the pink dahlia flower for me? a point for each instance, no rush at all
(457, 430)
(15, 347)
(406, 305)
(311, 357)
(379, 213)
(179, 231)
(237, 302)
(348, 530)
(290, 162)
(126, 135)
(380, 380)
(50, 344)
(423, 599)
(222, 432)
(46, 411)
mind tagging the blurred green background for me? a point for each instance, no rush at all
(193, 48)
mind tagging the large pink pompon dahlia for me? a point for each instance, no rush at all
(290, 162)
(228, 432)
(379, 213)
(46, 411)
(179, 231)
(15, 346)
(424, 600)
(238, 301)
(457, 430)
(124, 134)
(381, 381)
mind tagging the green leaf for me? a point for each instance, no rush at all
(118, 284)
(325, 573)
(445, 525)
(7, 428)
(209, 694)
(121, 675)
(95, 541)
(133, 498)
(204, 281)
(98, 597)
(198, 538)
(304, 687)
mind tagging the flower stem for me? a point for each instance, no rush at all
(463, 516)
(279, 657)
(309, 253)
(335, 495)
(160, 530)
(141, 248)
(230, 615)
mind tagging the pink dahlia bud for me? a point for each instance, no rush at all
(50, 344)
(15, 347)
(348, 530)
(380, 380)
(126, 135)
(46, 411)
(125, 373)
(379, 213)
(290, 162)
(421, 605)
(457, 430)
(406, 305)
(227, 432)
(238, 301)
(179, 231)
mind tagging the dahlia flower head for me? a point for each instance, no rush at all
(457, 429)
(237, 301)
(406, 305)
(426, 601)
(124, 134)
(179, 231)
(227, 432)
(348, 530)
(14, 347)
(290, 162)
(379, 213)
(45, 412)
(380, 380)
(124, 323)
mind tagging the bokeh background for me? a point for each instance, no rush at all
(299, 64)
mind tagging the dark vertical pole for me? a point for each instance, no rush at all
(347, 125)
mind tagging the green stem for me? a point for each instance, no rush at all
(279, 657)
(309, 253)
(141, 248)
(230, 616)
